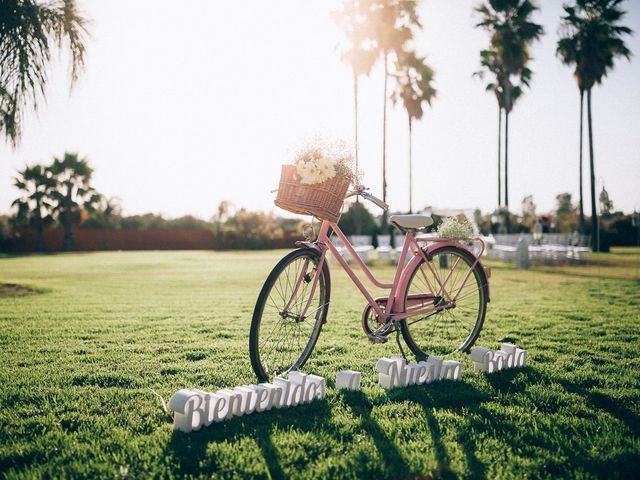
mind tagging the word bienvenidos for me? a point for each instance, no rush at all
(196, 408)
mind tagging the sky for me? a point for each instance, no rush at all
(183, 105)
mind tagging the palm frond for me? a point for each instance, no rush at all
(28, 31)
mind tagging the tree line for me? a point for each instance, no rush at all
(60, 194)
(591, 38)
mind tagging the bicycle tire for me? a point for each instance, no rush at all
(258, 360)
(417, 346)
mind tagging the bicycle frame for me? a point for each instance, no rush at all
(394, 308)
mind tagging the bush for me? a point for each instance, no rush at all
(357, 220)
(250, 230)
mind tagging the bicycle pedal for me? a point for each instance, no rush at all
(378, 339)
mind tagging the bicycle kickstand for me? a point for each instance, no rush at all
(398, 342)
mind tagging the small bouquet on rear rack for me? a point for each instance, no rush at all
(455, 229)
(318, 180)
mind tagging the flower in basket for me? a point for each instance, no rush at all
(456, 229)
(319, 162)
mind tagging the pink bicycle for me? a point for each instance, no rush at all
(437, 299)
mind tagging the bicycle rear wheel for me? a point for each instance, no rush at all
(289, 314)
(456, 327)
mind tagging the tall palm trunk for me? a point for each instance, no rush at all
(358, 220)
(39, 228)
(580, 155)
(410, 169)
(499, 146)
(594, 212)
(506, 169)
(68, 244)
(40, 237)
(67, 222)
(506, 159)
(384, 144)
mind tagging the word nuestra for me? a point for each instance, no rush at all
(509, 356)
(348, 380)
(394, 372)
(196, 408)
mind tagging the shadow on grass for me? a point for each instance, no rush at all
(191, 454)
(595, 400)
(457, 396)
(622, 464)
(362, 406)
(189, 451)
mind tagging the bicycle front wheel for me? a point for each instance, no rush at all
(289, 313)
(457, 316)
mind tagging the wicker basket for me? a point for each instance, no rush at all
(323, 200)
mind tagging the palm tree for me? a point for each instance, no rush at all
(591, 40)
(34, 207)
(392, 24)
(490, 64)
(508, 22)
(73, 193)
(28, 30)
(414, 87)
(354, 19)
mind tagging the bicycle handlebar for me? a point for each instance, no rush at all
(361, 190)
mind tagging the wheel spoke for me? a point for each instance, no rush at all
(453, 327)
(284, 340)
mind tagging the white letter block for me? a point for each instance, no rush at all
(296, 394)
(519, 355)
(215, 407)
(316, 388)
(389, 375)
(348, 380)
(249, 398)
(234, 402)
(388, 372)
(521, 358)
(285, 386)
(427, 372)
(402, 370)
(434, 366)
(510, 349)
(482, 358)
(497, 364)
(188, 408)
(420, 373)
(414, 371)
(266, 397)
(451, 370)
(507, 359)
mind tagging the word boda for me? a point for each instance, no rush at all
(196, 408)
(394, 372)
(509, 356)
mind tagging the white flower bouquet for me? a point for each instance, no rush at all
(456, 229)
(318, 162)
(317, 181)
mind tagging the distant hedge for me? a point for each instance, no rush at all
(93, 239)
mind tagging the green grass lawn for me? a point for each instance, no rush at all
(89, 335)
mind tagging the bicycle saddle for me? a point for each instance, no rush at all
(411, 222)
